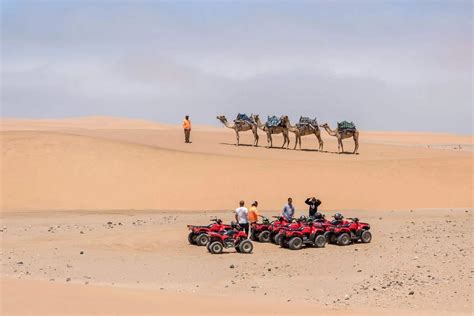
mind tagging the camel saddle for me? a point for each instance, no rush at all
(244, 118)
(307, 121)
(273, 121)
(346, 126)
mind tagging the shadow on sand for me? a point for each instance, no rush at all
(240, 145)
(303, 149)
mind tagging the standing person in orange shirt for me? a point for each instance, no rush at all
(253, 213)
(187, 129)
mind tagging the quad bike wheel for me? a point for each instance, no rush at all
(264, 236)
(283, 242)
(330, 237)
(320, 241)
(344, 239)
(191, 239)
(216, 247)
(295, 243)
(277, 238)
(366, 236)
(246, 246)
(202, 239)
(208, 248)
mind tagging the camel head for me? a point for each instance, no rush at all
(284, 119)
(324, 125)
(255, 117)
(222, 118)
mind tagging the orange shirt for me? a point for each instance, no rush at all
(253, 214)
(187, 124)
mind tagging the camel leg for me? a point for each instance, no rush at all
(299, 140)
(321, 143)
(269, 140)
(356, 143)
(287, 140)
(255, 136)
(237, 135)
(342, 147)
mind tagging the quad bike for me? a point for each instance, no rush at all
(274, 228)
(309, 234)
(348, 231)
(261, 231)
(199, 235)
(232, 238)
(294, 224)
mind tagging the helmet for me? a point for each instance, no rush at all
(219, 221)
(318, 215)
(338, 216)
(302, 218)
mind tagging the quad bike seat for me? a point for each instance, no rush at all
(230, 232)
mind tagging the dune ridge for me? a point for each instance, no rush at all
(119, 166)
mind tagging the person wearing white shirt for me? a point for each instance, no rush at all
(241, 216)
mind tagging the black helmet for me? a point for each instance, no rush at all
(338, 216)
(302, 218)
(318, 215)
(219, 221)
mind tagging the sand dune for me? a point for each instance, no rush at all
(93, 215)
(125, 168)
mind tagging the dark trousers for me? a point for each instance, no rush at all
(244, 227)
(187, 134)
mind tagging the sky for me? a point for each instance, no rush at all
(386, 65)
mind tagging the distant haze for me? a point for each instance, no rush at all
(387, 65)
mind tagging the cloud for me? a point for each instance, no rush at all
(387, 69)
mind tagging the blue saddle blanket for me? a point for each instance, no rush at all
(242, 117)
(273, 121)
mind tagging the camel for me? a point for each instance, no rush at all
(342, 135)
(303, 130)
(273, 130)
(241, 127)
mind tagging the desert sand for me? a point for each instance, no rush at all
(94, 214)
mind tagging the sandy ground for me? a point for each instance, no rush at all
(63, 181)
(152, 169)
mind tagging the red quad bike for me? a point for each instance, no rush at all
(275, 226)
(227, 239)
(310, 234)
(347, 232)
(199, 235)
(294, 224)
(261, 231)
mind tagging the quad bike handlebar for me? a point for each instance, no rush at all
(354, 219)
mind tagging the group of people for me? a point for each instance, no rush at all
(245, 217)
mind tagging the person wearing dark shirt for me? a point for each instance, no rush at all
(313, 206)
